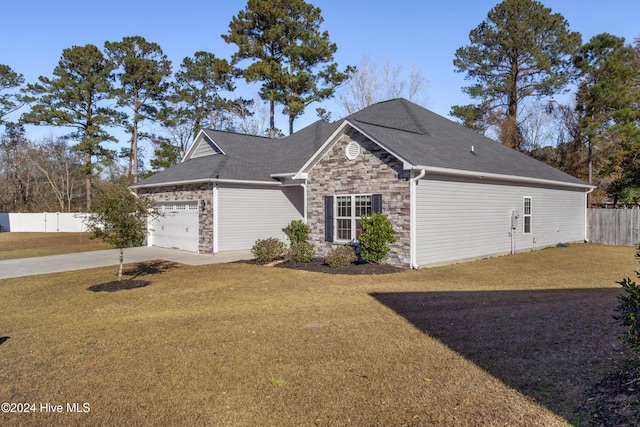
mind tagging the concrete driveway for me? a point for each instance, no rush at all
(83, 260)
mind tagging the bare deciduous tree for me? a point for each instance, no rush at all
(373, 82)
(58, 174)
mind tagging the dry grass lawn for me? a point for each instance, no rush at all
(511, 341)
(27, 245)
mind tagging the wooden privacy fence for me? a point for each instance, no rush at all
(620, 227)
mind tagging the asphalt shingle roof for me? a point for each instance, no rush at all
(417, 135)
(426, 139)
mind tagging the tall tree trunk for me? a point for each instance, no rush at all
(291, 119)
(87, 179)
(272, 118)
(121, 264)
(134, 139)
(589, 169)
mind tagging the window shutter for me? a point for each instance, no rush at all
(376, 203)
(328, 218)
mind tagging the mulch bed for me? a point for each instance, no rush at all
(317, 265)
(118, 285)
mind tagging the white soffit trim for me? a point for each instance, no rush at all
(333, 138)
(500, 177)
(211, 180)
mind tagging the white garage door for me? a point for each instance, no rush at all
(178, 228)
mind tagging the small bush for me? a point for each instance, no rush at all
(297, 231)
(267, 250)
(340, 256)
(377, 233)
(300, 252)
(629, 314)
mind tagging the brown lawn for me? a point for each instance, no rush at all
(27, 245)
(511, 341)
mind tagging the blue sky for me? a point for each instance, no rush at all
(427, 33)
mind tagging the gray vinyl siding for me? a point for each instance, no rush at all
(204, 148)
(248, 214)
(464, 219)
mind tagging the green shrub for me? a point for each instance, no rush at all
(267, 250)
(300, 252)
(629, 314)
(377, 233)
(297, 231)
(340, 256)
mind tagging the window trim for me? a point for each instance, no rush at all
(330, 209)
(526, 215)
(353, 218)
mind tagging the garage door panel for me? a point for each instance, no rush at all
(177, 227)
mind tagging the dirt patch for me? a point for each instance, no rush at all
(118, 285)
(317, 265)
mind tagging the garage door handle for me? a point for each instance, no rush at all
(186, 230)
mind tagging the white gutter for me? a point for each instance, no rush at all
(412, 217)
(304, 207)
(500, 177)
(209, 180)
(586, 214)
(216, 220)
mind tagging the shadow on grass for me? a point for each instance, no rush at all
(3, 339)
(141, 269)
(149, 268)
(553, 345)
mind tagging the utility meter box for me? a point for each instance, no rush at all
(514, 219)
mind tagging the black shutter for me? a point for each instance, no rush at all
(328, 218)
(376, 203)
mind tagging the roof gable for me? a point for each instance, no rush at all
(202, 146)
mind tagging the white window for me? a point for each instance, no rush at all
(526, 209)
(349, 209)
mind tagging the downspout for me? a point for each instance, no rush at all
(412, 214)
(586, 213)
(304, 204)
(216, 222)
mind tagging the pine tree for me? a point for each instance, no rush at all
(74, 97)
(11, 101)
(143, 71)
(607, 106)
(521, 50)
(291, 56)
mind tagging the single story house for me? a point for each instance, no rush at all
(450, 193)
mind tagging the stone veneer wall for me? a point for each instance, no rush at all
(374, 171)
(190, 193)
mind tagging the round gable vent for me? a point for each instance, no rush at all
(353, 150)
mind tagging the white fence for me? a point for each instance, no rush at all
(47, 222)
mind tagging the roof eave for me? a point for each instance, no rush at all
(501, 177)
(208, 180)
